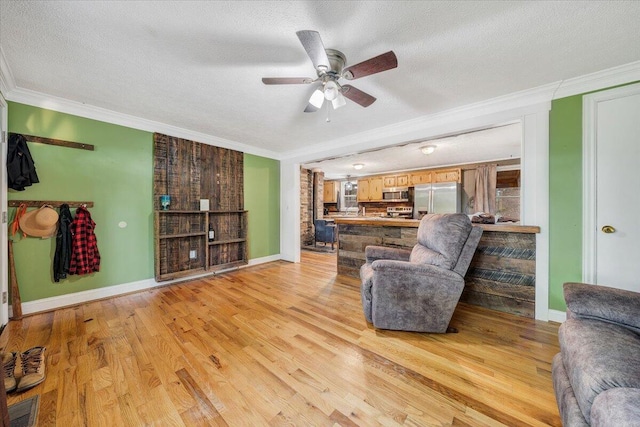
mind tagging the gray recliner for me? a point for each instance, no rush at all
(418, 290)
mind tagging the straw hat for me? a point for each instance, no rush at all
(40, 222)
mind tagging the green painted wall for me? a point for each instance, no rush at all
(118, 178)
(262, 200)
(565, 195)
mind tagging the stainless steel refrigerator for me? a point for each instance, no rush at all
(441, 197)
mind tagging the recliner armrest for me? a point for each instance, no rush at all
(426, 272)
(603, 303)
(374, 253)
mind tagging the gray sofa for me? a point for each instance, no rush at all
(418, 290)
(596, 375)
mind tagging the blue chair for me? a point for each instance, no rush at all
(325, 232)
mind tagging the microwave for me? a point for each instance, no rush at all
(395, 194)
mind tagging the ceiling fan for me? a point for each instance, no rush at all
(329, 65)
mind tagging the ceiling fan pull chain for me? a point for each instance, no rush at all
(328, 104)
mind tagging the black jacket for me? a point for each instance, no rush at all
(62, 257)
(21, 169)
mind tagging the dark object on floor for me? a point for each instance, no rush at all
(25, 413)
(418, 290)
(33, 368)
(325, 232)
(596, 375)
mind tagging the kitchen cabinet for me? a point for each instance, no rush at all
(402, 180)
(330, 192)
(419, 177)
(370, 189)
(448, 175)
(395, 181)
(389, 181)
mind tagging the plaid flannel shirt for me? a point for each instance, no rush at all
(85, 258)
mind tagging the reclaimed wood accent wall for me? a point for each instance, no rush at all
(501, 275)
(353, 239)
(189, 171)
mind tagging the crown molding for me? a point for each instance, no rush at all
(7, 82)
(50, 102)
(599, 80)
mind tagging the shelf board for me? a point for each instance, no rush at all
(173, 236)
(173, 211)
(180, 274)
(224, 242)
(228, 265)
(176, 211)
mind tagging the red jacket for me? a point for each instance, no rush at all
(85, 258)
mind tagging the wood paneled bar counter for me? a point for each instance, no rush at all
(501, 275)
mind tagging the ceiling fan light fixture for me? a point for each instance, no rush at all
(428, 149)
(317, 98)
(358, 166)
(331, 90)
(339, 101)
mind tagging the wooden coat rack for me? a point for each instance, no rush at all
(58, 142)
(54, 203)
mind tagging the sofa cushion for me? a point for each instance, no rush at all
(618, 407)
(567, 403)
(366, 278)
(598, 356)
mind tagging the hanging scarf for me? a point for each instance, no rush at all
(15, 224)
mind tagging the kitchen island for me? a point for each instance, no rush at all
(502, 272)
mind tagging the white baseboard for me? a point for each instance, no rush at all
(52, 303)
(264, 259)
(557, 316)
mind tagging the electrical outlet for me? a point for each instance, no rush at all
(193, 255)
(4, 297)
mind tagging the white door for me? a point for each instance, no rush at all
(4, 307)
(612, 221)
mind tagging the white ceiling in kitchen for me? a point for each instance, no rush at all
(499, 143)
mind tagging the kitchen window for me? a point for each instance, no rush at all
(348, 196)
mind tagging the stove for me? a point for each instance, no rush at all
(400, 211)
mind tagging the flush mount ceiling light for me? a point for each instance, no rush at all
(428, 149)
(358, 166)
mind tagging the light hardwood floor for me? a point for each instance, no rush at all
(282, 344)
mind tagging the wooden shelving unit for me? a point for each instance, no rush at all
(189, 171)
(181, 233)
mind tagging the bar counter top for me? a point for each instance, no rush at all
(414, 223)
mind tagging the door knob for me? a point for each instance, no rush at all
(608, 229)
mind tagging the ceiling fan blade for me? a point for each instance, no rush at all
(286, 80)
(312, 43)
(380, 63)
(357, 96)
(310, 109)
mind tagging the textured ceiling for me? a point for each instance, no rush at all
(198, 65)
